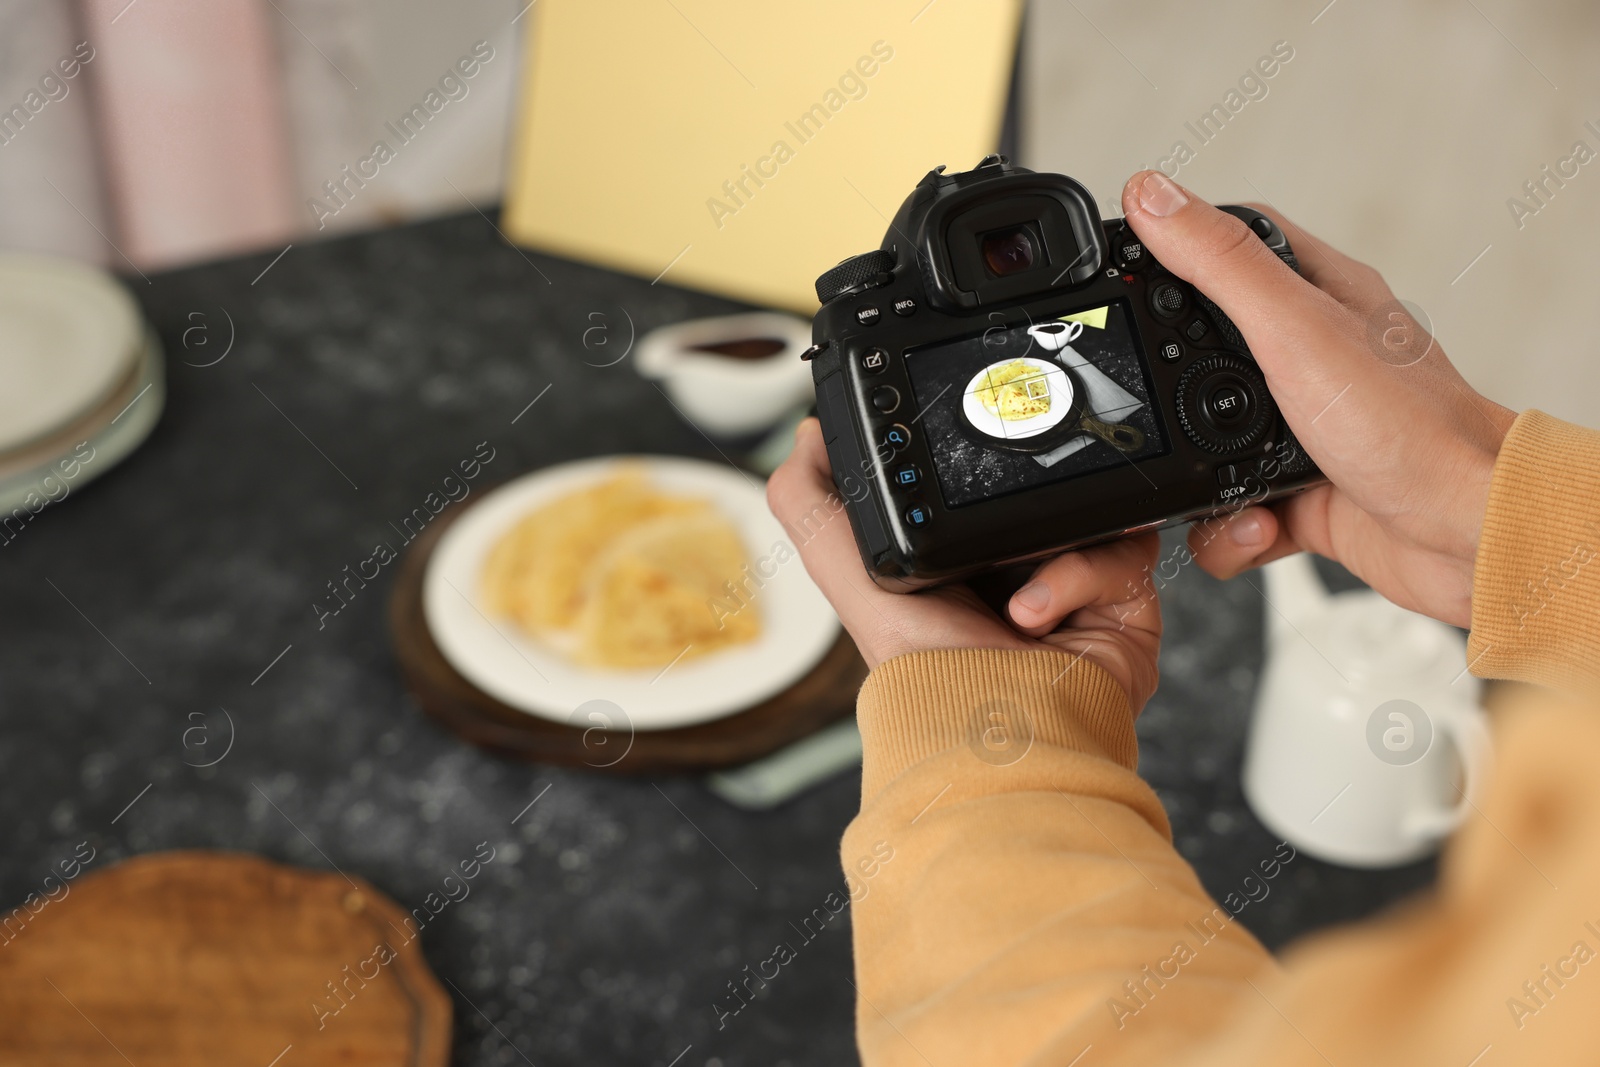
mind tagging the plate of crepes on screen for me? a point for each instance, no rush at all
(660, 584)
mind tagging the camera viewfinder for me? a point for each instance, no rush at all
(1010, 251)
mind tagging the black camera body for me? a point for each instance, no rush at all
(1009, 376)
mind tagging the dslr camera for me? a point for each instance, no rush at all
(1009, 376)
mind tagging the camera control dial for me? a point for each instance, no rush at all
(856, 274)
(1223, 404)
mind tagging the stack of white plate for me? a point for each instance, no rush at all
(81, 381)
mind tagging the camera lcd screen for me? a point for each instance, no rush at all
(1029, 405)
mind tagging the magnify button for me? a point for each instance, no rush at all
(895, 438)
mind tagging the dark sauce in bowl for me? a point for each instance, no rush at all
(743, 347)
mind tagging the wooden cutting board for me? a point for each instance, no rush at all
(179, 959)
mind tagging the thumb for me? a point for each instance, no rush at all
(1286, 321)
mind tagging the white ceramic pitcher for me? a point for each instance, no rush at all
(1367, 744)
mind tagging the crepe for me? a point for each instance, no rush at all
(653, 597)
(1015, 391)
(623, 575)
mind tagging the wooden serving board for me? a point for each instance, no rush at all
(183, 959)
(825, 695)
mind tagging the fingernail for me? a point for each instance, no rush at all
(1160, 195)
(1035, 596)
(1246, 531)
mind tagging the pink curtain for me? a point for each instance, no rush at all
(193, 136)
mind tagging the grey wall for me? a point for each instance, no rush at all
(1397, 132)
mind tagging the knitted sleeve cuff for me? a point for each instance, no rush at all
(1536, 581)
(917, 705)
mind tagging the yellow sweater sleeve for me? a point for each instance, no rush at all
(1025, 899)
(1536, 586)
(1017, 899)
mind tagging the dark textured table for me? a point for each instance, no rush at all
(195, 579)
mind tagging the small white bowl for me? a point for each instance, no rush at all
(724, 394)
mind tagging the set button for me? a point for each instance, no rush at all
(1225, 405)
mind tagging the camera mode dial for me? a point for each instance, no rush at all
(1223, 404)
(866, 271)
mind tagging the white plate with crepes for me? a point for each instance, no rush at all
(1041, 379)
(538, 675)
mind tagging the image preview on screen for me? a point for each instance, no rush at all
(1004, 410)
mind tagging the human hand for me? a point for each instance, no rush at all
(1408, 445)
(1097, 604)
